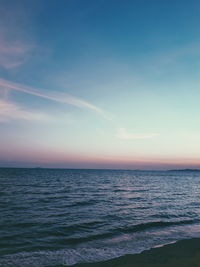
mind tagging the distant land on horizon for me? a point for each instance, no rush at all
(185, 170)
(43, 168)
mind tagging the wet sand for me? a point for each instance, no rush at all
(183, 253)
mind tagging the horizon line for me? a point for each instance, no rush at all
(111, 169)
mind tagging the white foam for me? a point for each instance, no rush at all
(162, 245)
(69, 257)
(60, 257)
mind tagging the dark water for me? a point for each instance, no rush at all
(50, 217)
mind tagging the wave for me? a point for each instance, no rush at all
(70, 257)
(123, 230)
(156, 224)
(67, 230)
(56, 199)
(81, 203)
(62, 257)
(81, 226)
(177, 215)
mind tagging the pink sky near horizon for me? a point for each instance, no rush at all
(34, 158)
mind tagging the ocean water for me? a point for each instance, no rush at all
(51, 217)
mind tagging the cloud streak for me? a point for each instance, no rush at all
(122, 133)
(53, 96)
(11, 111)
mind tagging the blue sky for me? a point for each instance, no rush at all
(100, 84)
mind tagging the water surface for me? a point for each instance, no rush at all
(55, 216)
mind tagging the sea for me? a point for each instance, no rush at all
(60, 217)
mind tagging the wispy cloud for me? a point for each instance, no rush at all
(14, 50)
(13, 53)
(53, 96)
(122, 133)
(12, 111)
(16, 39)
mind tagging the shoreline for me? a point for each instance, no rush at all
(181, 253)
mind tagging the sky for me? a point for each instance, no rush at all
(100, 84)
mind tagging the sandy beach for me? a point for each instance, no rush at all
(185, 253)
